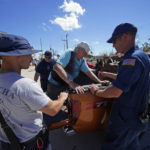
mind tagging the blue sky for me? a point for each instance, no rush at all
(92, 21)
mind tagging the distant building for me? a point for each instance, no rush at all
(3, 33)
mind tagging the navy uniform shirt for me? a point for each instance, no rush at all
(133, 79)
(44, 68)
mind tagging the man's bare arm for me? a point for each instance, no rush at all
(110, 92)
(53, 107)
(61, 72)
(107, 74)
(92, 76)
(63, 75)
(36, 76)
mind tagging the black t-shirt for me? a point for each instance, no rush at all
(44, 68)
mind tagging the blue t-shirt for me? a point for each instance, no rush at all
(134, 80)
(44, 68)
(79, 65)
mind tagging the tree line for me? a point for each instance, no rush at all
(146, 46)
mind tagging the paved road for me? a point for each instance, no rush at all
(87, 141)
(82, 141)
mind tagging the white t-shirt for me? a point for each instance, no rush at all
(20, 100)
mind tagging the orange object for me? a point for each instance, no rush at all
(58, 125)
(86, 112)
(89, 112)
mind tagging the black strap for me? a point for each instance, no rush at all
(14, 142)
(68, 68)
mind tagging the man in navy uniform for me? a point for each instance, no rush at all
(130, 90)
(43, 69)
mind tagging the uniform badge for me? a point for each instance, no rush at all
(129, 62)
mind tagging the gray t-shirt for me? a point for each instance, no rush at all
(20, 100)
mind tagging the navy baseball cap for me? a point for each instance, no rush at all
(14, 45)
(48, 53)
(122, 28)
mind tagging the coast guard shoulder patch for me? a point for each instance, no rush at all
(129, 62)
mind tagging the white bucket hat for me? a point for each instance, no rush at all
(14, 45)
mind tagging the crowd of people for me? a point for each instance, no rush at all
(26, 107)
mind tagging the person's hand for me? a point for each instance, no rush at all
(64, 95)
(105, 82)
(93, 88)
(79, 89)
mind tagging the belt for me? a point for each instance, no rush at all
(34, 139)
(43, 131)
(27, 142)
(31, 140)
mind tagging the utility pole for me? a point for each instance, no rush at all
(52, 50)
(41, 55)
(66, 42)
(41, 43)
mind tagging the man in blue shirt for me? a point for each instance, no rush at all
(67, 68)
(130, 90)
(43, 69)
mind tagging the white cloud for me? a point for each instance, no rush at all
(69, 21)
(76, 40)
(96, 43)
(137, 40)
(72, 7)
(45, 27)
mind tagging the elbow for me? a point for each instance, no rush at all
(55, 67)
(53, 112)
(117, 94)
